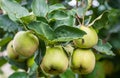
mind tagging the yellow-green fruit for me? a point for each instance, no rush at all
(83, 61)
(98, 72)
(30, 61)
(55, 61)
(89, 39)
(12, 54)
(25, 43)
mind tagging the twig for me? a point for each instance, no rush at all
(78, 19)
(76, 3)
(107, 38)
(83, 20)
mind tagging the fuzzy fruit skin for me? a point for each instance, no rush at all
(12, 54)
(25, 43)
(83, 61)
(55, 61)
(88, 40)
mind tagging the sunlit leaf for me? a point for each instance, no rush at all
(42, 29)
(67, 33)
(104, 48)
(13, 9)
(56, 7)
(40, 7)
(8, 25)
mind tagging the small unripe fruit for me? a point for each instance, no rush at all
(25, 43)
(55, 61)
(12, 54)
(83, 61)
(89, 39)
(30, 61)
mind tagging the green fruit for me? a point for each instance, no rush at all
(12, 54)
(30, 61)
(55, 61)
(108, 67)
(25, 43)
(88, 40)
(83, 61)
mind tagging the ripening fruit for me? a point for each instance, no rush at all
(25, 43)
(83, 61)
(12, 54)
(89, 39)
(55, 61)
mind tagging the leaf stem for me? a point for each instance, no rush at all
(78, 19)
(83, 18)
(107, 38)
(23, 24)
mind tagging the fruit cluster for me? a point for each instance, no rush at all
(55, 60)
(22, 46)
(83, 58)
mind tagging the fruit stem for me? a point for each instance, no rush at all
(78, 19)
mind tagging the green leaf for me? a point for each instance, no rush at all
(19, 75)
(72, 12)
(104, 48)
(14, 68)
(13, 9)
(68, 21)
(57, 15)
(21, 65)
(4, 41)
(8, 25)
(56, 7)
(98, 18)
(2, 61)
(54, 1)
(32, 72)
(42, 19)
(67, 33)
(39, 7)
(43, 30)
(67, 74)
(41, 52)
(114, 14)
(28, 19)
